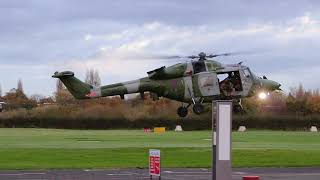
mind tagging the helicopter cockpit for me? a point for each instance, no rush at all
(199, 66)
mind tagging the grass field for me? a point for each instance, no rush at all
(50, 148)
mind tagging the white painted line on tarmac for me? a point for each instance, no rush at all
(128, 174)
(123, 174)
(98, 170)
(93, 170)
(167, 171)
(21, 174)
(240, 173)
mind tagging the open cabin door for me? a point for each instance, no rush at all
(205, 84)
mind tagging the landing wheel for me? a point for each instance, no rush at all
(198, 108)
(182, 111)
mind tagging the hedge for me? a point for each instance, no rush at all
(279, 122)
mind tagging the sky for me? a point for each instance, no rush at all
(40, 37)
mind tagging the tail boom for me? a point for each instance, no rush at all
(81, 90)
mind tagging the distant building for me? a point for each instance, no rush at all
(2, 106)
(46, 102)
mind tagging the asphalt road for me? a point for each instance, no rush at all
(169, 174)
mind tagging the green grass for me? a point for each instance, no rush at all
(50, 148)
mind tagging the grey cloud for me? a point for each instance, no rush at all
(181, 12)
(52, 32)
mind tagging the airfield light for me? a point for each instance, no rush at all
(262, 95)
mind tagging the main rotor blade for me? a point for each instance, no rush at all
(225, 54)
(217, 55)
(155, 57)
(236, 53)
(165, 57)
(148, 58)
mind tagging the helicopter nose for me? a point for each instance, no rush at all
(278, 87)
(269, 85)
(275, 86)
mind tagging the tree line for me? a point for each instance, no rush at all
(298, 101)
(16, 97)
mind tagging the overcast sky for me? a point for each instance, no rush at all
(40, 37)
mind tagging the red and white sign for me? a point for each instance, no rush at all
(154, 162)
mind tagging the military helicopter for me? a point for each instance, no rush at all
(192, 83)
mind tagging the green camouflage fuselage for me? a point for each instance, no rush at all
(180, 82)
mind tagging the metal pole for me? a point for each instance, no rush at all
(223, 169)
(213, 118)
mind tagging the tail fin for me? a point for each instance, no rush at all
(77, 88)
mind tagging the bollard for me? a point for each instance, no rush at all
(313, 129)
(178, 128)
(251, 177)
(242, 129)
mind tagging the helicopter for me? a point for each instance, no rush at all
(202, 80)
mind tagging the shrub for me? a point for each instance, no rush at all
(119, 115)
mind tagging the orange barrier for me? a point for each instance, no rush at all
(159, 129)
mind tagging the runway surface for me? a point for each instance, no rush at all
(170, 174)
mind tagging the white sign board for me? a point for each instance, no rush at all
(222, 151)
(225, 132)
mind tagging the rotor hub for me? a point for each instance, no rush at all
(202, 56)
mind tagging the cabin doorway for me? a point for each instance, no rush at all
(230, 83)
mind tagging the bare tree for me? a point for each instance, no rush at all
(88, 79)
(97, 80)
(20, 86)
(59, 86)
(92, 77)
(0, 90)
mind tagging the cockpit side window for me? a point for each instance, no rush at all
(247, 73)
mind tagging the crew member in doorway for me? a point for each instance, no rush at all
(236, 81)
(226, 85)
